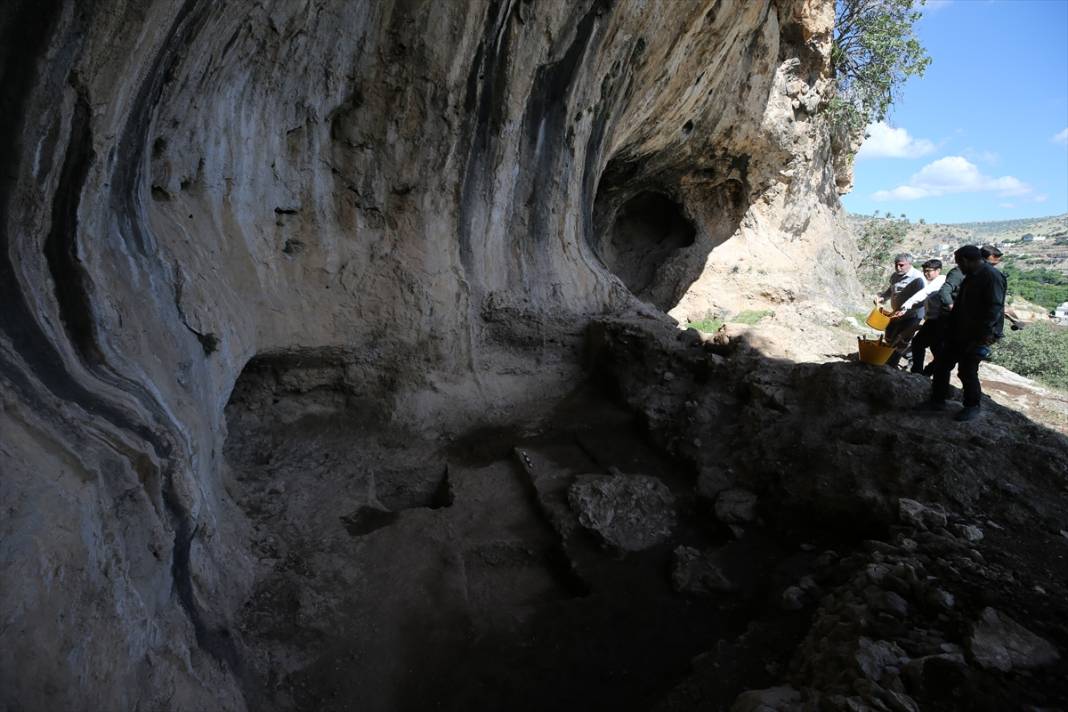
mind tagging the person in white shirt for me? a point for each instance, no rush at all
(931, 333)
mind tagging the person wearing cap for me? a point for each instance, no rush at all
(993, 256)
(905, 282)
(975, 322)
(930, 334)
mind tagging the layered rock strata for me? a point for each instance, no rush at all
(410, 208)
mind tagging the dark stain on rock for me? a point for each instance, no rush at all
(61, 245)
(482, 99)
(217, 642)
(126, 174)
(545, 124)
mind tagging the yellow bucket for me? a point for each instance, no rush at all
(874, 351)
(877, 320)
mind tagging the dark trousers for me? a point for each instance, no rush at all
(929, 336)
(898, 333)
(963, 356)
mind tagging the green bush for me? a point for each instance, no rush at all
(709, 326)
(752, 316)
(1040, 351)
(1040, 286)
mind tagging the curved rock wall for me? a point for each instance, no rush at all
(422, 187)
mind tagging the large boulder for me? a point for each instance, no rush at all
(630, 512)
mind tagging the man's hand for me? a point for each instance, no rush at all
(876, 301)
(899, 313)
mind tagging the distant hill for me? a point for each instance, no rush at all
(1030, 242)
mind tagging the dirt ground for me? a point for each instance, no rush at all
(374, 596)
(401, 572)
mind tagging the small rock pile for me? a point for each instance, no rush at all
(892, 636)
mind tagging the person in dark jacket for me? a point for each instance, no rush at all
(975, 322)
(993, 257)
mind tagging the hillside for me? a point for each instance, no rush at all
(1031, 242)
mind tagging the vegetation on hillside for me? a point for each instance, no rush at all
(1040, 351)
(1041, 286)
(875, 50)
(712, 322)
(877, 241)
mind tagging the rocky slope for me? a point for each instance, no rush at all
(928, 553)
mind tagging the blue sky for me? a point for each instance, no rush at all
(983, 135)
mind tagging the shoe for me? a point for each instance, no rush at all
(930, 406)
(969, 412)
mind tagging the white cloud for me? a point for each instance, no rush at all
(953, 174)
(1041, 198)
(1061, 137)
(988, 157)
(1006, 205)
(884, 141)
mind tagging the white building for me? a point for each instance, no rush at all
(1060, 314)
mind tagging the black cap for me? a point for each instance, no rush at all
(987, 250)
(968, 252)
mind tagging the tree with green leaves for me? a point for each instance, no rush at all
(875, 51)
(876, 242)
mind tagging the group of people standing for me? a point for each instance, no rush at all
(958, 316)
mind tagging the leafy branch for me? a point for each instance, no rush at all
(875, 51)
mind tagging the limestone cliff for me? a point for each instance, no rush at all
(416, 206)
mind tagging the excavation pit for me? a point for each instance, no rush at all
(490, 598)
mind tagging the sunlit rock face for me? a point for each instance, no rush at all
(427, 199)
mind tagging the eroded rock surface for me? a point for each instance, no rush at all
(292, 292)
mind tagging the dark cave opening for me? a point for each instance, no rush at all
(647, 231)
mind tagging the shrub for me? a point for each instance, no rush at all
(752, 316)
(1040, 351)
(709, 325)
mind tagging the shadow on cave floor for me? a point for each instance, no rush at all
(378, 590)
(400, 573)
